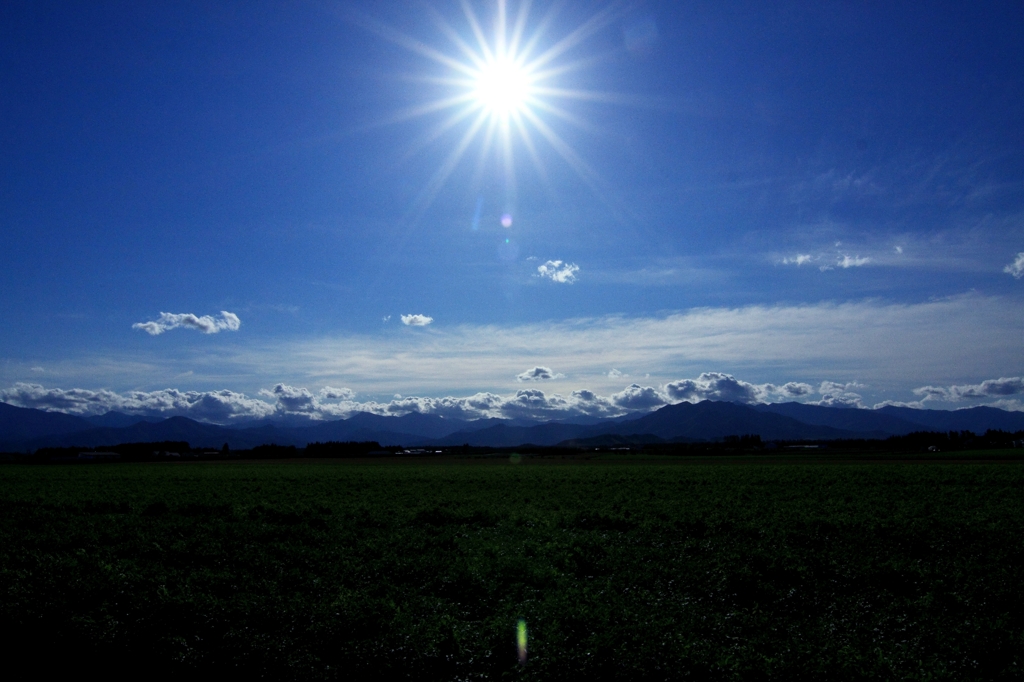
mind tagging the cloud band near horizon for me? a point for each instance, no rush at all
(283, 400)
(892, 348)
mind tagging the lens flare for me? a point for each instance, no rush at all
(508, 251)
(521, 640)
(506, 220)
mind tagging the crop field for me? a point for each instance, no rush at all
(340, 570)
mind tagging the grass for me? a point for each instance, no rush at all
(620, 571)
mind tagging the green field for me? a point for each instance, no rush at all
(620, 571)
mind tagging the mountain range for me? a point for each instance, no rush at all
(25, 429)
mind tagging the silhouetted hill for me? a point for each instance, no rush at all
(710, 420)
(415, 424)
(977, 419)
(707, 420)
(898, 421)
(25, 429)
(864, 421)
(198, 435)
(22, 423)
(120, 419)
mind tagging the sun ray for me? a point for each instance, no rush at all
(565, 151)
(485, 150)
(398, 38)
(436, 132)
(520, 27)
(429, 193)
(472, 55)
(485, 48)
(567, 116)
(581, 64)
(527, 138)
(427, 108)
(539, 32)
(589, 95)
(510, 168)
(587, 29)
(499, 30)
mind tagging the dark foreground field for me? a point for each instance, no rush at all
(344, 571)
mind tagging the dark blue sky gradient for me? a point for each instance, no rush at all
(199, 157)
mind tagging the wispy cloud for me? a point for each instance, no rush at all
(844, 261)
(1016, 268)
(828, 261)
(966, 246)
(558, 271)
(798, 259)
(206, 324)
(840, 395)
(847, 261)
(416, 320)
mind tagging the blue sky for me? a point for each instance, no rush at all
(828, 196)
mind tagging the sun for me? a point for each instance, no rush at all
(506, 89)
(503, 87)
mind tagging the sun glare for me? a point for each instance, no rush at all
(502, 87)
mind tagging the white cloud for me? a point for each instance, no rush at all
(558, 271)
(292, 399)
(791, 389)
(639, 398)
(840, 395)
(1016, 268)
(713, 386)
(851, 400)
(616, 374)
(833, 387)
(991, 388)
(206, 324)
(328, 393)
(416, 320)
(538, 374)
(720, 386)
(1010, 405)
(798, 259)
(915, 404)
